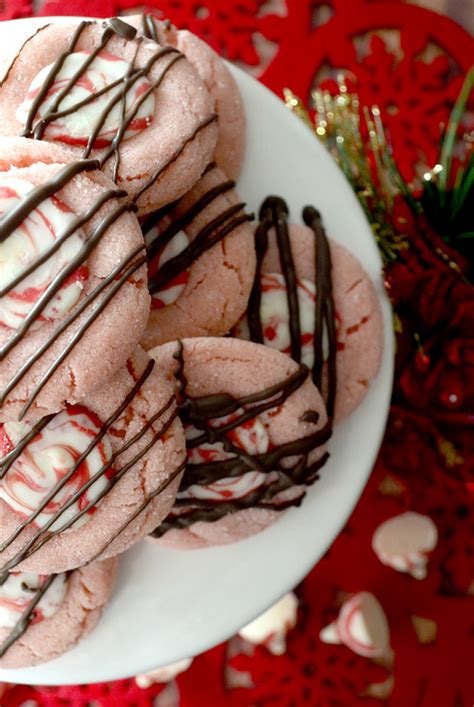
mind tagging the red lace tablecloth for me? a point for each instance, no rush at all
(411, 62)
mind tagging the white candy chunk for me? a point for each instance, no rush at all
(99, 91)
(47, 459)
(329, 634)
(252, 437)
(404, 541)
(28, 243)
(275, 316)
(272, 626)
(361, 625)
(173, 289)
(19, 590)
(164, 674)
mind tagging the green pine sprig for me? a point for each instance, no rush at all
(362, 152)
(367, 163)
(448, 189)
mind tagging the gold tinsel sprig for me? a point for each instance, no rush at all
(355, 136)
(357, 141)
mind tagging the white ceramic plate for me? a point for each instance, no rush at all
(170, 604)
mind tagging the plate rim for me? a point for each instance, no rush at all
(15, 675)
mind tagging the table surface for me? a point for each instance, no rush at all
(411, 61)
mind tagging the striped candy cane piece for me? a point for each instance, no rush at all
(38, 232)
(78, 124)
(47, 458)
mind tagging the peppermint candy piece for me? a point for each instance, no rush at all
(170, 293)
(36, 235)
(103, 77)
(18, 591)
(271, 627)
(251, 437)
(275, 316)
(362, 626)
(46, 460)
(404, 542)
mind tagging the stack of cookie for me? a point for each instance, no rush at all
(167, 369)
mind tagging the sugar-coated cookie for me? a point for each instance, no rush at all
(255, 428)
(323, 291)
(42, 616)
(73, 289)
(90, 481)
(220, 83)
(140, 108)
(201, 257)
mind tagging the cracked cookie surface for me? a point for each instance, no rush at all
(156, 147)
(205, 294)
(69, 609)
(72, 268)
(273, 452)
(91, 481)
(358, 318)
(231, 120)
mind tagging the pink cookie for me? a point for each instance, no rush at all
(343, 301)
(255, 431)
(138, 107)
(92, 480)
(42, 616)
(220, 83)
(74, 299)
(202, 262)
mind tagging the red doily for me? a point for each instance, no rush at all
(409, 61)
(406, 59)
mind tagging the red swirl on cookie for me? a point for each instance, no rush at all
(47, 459)
(32, 239)
(170, 293)
(275, 316)
(80, 114)
(251, 437)
(20, 589)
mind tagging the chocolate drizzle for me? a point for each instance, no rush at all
(59, 280)
(119, 276)
(11, 457)
(149, 27)
(13, 218)
(210, 234)
(112, 27)
(151, 30)
(325, 313)
(123, 29)
(162, 487)
(274, 214)
(27, 616)
(95, 301)
(159, 172)
(43, 535)
(200, 412)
